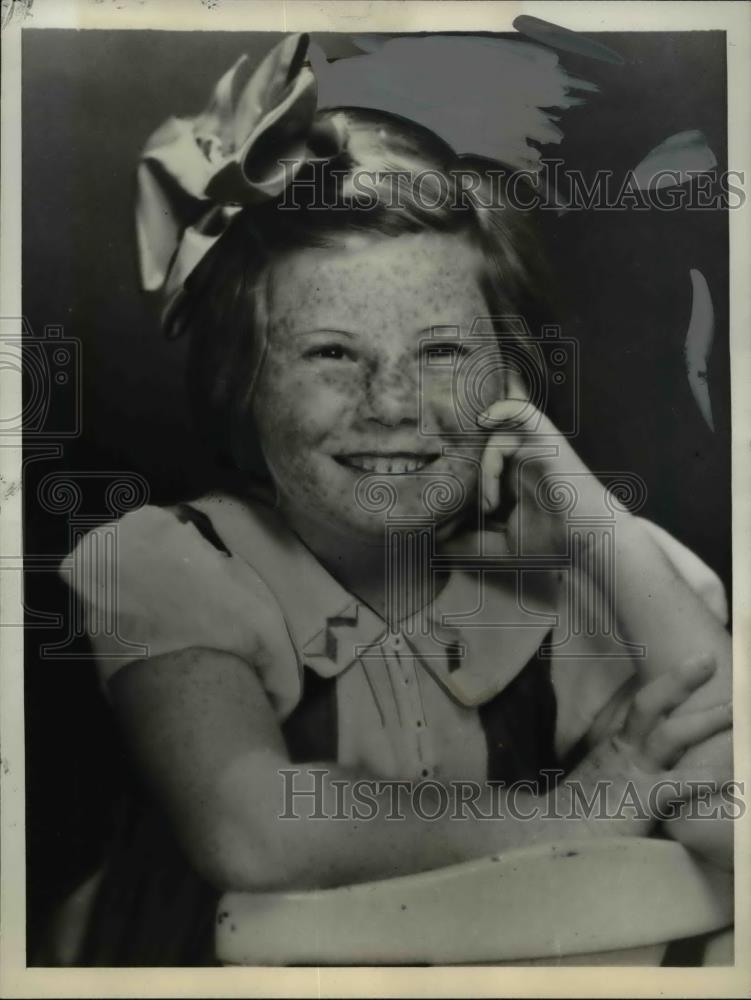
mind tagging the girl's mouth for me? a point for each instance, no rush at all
(396, 464)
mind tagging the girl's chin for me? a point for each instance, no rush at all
(367, 506)
(383, 498)
(401, 518)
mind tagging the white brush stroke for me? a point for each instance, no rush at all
(699, 338)
(668, 164)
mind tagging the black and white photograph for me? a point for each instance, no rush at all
(375, 515)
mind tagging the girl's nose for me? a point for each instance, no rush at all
(391, 397)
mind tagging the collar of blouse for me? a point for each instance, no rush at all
(474, 638)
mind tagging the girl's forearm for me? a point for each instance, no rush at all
(323, 842)
(333, 839)
(657, 609)
(203, 732)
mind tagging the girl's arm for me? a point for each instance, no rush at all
(653, 604)
(659, 610)
(655, 607)
(209, 744)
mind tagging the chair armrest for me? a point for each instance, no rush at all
(535, 902)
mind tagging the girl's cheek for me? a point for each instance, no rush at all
(303, 408)
(326, 407)
(454, 401)
(438, 405)
(337, 388)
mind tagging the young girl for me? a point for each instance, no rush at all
(394, 595)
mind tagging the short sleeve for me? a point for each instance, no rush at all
(151, 584)
(589, 669)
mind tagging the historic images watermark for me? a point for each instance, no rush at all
(549, 188)
(313, 794)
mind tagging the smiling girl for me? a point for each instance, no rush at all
(303, 624)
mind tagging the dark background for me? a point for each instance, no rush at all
(90, 99)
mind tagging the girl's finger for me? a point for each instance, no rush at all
(671, 738)
(665, 694)
(497, 450)
(491, 466)
(515, 387)
(517, 414)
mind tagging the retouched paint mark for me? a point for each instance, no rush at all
(677, 155)
(699, 337)
(563, 38)
(505, 108)
(369, 43)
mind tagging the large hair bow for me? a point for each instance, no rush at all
(485, 96)
(195, 173)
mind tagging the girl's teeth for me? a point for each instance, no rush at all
(386, 466)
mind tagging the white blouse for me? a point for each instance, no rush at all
(405, 701)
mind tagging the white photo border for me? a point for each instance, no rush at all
(403, 16)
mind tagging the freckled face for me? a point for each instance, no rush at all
(356, 391)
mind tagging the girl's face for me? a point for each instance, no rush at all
(361, 405)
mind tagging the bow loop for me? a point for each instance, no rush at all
(245, 147)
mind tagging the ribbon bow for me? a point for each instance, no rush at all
(245, 147)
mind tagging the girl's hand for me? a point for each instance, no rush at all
(653, 735)
(541, 468)
(652, 740)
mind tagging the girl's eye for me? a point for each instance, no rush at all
(328, 352)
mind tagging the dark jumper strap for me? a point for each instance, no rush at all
(202, 523)
(519, 724)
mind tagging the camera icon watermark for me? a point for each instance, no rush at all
(47, 369)
(500, 358)
(92, 504)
